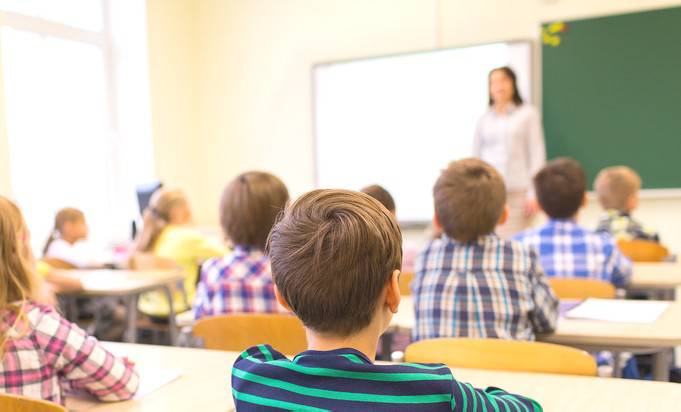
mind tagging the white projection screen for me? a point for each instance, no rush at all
(398, 120)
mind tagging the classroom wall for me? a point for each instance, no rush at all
(5, 182)
(252, 76)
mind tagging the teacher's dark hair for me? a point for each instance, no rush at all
(511, 75)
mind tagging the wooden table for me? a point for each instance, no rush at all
(204, 386)
(128, 285)
(657, 277)
(661, 336)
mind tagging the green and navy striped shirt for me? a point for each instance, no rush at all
(346, 380)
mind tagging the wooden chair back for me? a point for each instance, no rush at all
(500, 354)
(405, 280)
(16, 403)
(238, 332)
(643, 250)
(580, 288)
(58, 263)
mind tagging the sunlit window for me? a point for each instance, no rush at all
(63, 118)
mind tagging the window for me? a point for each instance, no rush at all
(77, 135)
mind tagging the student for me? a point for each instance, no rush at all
(241, 281)
(168, 234)
(617, 188)
(469, 282)
(67, 242)
(565, 248)
(42, 353)
(335, 258)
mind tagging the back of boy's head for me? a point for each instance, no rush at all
(382, 195)
(615, 186)
(560, 186)
(333, 253)
(469, 199)
(249, 207)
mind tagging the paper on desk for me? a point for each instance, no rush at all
(625, 311)
(152, 379)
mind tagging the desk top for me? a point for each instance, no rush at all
(663, 333)
(204, 386)
(106, 282)
(656, 276)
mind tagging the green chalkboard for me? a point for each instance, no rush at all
(612, 93)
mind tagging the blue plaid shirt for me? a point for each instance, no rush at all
(568, 250)
(489, 288)
(239, 282)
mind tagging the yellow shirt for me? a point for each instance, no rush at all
(188, 248)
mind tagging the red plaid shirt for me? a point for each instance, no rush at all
(49, 355)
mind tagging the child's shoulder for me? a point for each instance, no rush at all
(37, 316)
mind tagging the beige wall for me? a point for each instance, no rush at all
(249, 76)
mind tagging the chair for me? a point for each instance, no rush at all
(17, 403)
(580, 288)
(238, 332)
(405, 280)
(643, 250)
(500, 354)
(58, 263)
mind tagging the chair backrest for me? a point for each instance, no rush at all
(500, 354)
(16, 403)
(405, 280)
(58, 263)
(238, 332)
(643, 250)
(580, 288)
(149, 261)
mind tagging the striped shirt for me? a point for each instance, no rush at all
(346, 380)
(51, 355)
(568, 250)
(488, 288)
(239, 282)
(624, 227)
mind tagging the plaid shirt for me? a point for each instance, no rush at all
(52, 355)
(240, 282)
(568, 250)
(623, 227)
(489, 288)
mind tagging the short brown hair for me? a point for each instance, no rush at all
(332, 254)
(469, 199)
(249, 207)
(560, 186)
(379, 193)
(615, 185)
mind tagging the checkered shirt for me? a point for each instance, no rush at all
(49, 355)
(568, 250)
(489, 288)
(239, 282)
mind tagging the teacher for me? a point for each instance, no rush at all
(509, 136)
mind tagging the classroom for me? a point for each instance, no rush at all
(389, 205)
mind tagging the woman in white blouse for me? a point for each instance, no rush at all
(510, 137)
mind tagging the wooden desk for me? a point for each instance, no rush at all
(662, 276)
(661, 336)
(204, 386)
(129, 285)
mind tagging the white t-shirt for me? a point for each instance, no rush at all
(80, 254)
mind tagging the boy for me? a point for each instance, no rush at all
(565, 248)
(241, 281)
(469, 282)
(382, 195)
(617, 188)
(335, 261)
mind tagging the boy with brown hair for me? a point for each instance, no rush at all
(565, 248)
(335, 261)
(241, 281)
(617, 188)
(469, 282)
